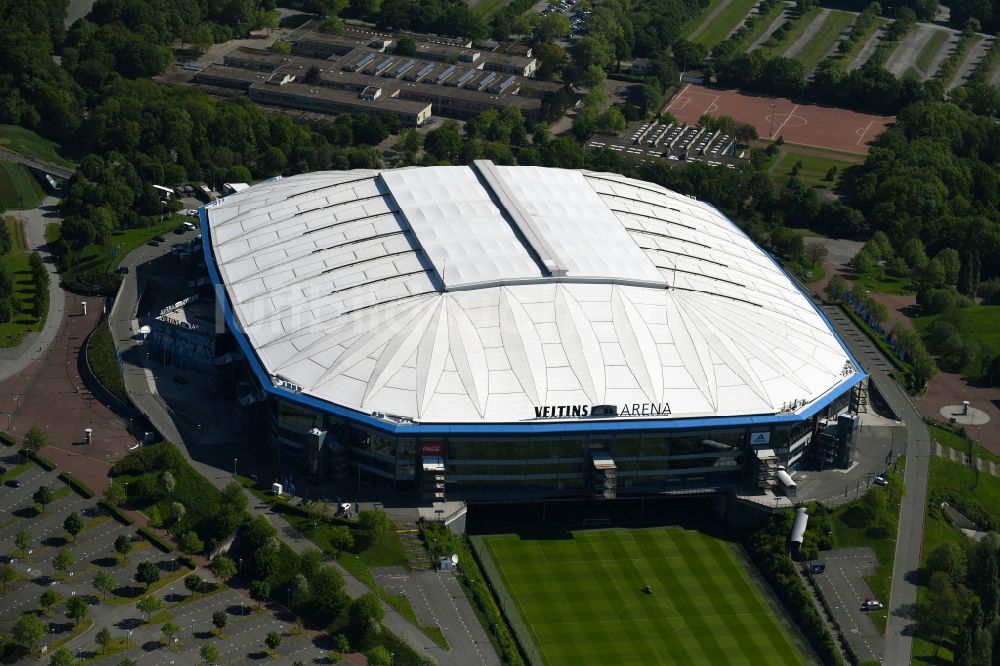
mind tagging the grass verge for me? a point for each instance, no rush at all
(847, 57)
(799, 26)
(25, 142)
(930, 50)
(18, 187)
(103, 361)
(728, 20)
(819, 45)
(763, 22)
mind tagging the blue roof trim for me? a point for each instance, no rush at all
(532, 428)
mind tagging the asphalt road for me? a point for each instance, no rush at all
(903, 595)
(46, 167)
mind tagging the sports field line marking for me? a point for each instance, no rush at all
(677, 97)
(862, 136)
(517, 602)
(681, 613)
(782, 125)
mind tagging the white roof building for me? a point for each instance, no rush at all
(491, 294)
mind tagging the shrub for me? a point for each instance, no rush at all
(117, 513)
(76, 485)
(44, 463)
(7, 439)
(155, 540)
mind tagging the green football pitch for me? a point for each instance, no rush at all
(582, 599)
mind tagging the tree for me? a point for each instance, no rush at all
(190, 543)
(147, 573)
(273, 640)
(28, 630)
(127, 661)
(148, 605)
(948, 558)
(104, 583)
(73, 525)
(177, 510)
(219, 619)
(34, 440)
(365, 615)
(169, 631)
(168, 482)
(299, 588)
(379, 656)
(114, 494)
(42, 497)
(63, 560)
(341, 538)
(48, 599)
(260, 590)
(77, 608)
(209, 654)
(123, 544)
(223, 567)
(23, 540)
(193, 583)
(406, 46)
(816, 253)
(7, 575)
(444, 143)
(103, 638)
(61, 657)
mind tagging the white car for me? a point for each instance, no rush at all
(872, 604)
(881, 480)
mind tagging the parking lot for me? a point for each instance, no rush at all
(93, 552)
(843, 586)
(577, 17)
(671, 141)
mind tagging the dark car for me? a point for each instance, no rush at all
(153, 243)
(180, 379)
(159, 238)
(181, 229)
(817, 568)
(3, 470)
(14, 483)
(123, 269)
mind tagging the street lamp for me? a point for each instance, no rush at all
(234, 468)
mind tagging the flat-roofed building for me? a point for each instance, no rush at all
(330, 100)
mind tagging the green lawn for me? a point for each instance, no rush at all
(696, 22)
(951, 440)
(978, 322)
(487, 8)
(25, 142)
(760, 27)
(947, 475)
(886, 285)
(814, 167)
(927, 54)
(24, 321)
(103, 361)
(17, 185)
(728, 20)
(581, 595)
(792, 36)
(836, 22)
(102, 258)
(853, 52)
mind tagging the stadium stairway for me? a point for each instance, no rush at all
(417, 555)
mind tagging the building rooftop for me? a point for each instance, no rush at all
(490, 294)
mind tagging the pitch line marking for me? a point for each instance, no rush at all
(862, 136)
(782, 125)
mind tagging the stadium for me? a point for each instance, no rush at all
(496, 332)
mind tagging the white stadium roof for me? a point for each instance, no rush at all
(492, 294)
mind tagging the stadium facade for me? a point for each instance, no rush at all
(500, 332)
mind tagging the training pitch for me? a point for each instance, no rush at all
(582, 599)
(803, 124)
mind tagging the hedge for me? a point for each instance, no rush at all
(187, 561)
(768, 548)
(7, 439)
(155, 540)
(122, 517)
(76, 484)
(45, 463)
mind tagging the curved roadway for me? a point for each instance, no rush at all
(903, 594)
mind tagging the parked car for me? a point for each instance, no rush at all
(123, 269)
(817, 568)
(871, 603)
(159, 238)
(881, 480)
(14, 483)
(153, 243)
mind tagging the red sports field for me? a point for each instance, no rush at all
(802, 124)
